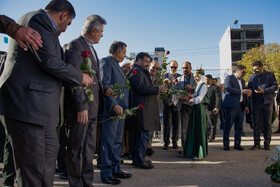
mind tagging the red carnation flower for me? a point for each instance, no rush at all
(167, 52)
(85, 54)
(190, 97)
(134, 72)
(176, 80)
(173, 83)
(141, 106)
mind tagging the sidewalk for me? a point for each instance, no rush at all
(220, 168)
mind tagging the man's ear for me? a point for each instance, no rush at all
(93, 31)
(63, 16)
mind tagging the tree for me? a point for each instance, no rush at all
(268, 54)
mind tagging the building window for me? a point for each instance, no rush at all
(156, 59)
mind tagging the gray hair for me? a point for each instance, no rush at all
(93, 21)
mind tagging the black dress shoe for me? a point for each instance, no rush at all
(175, 146)
(239, 148)
(146, 165)
(122, 175)
(227, 148)
(278, 131)
(165, 147)
(256, 147)
(149, 152)
(63, 175)
(267, 147)
(111, 180)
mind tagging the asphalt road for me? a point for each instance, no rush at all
(220, 168)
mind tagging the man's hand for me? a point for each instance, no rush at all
(259, 91)
(87, 80)
(108, 92)
(247, 110)
(182, 99)
(162, 88)
(29, 35)
(190, 87)
(82, 117)
(166, 81)
(216, 110)
(118, 109)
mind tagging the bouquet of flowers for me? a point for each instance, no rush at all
(86, 68)
(274, 168)
(179, 92)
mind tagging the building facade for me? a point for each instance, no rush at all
(235, 43)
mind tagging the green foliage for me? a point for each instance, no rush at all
(268, 54)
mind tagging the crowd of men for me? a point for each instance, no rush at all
(35, 73)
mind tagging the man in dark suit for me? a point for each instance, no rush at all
(235, 102)
(170, 111)
(143, 92)
(82, 118)
(263, 85)
(112, 131)
(30, 94)
(212, 109)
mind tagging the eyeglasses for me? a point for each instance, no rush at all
(155, 68)
(185, 67)
(173, 67)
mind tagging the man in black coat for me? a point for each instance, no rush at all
(263, 85)
(30, 94)
(82, 118)
(212, 109)
(143, 92)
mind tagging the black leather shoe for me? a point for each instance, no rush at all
(147, 165)
(149, 152)
(256, 147)
(63, 175)
(175, 146)
(165, 147)
(227, 148)
(267, 147)
(239, 148)
(278, 131)
(111, 180)
(122, 175)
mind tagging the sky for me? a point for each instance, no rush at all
(189, 29)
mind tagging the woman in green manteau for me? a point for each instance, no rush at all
(196, 142)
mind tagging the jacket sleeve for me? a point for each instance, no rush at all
(139, 85)
(73, 57)
(273, 84)
(106, 78)
(8, 26)
(218, 96)
(229, 87)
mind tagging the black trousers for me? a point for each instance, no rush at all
(80, 152)
(170, 119)
(61, 157)
(261, 116)
(35, 149)
(211, 124)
